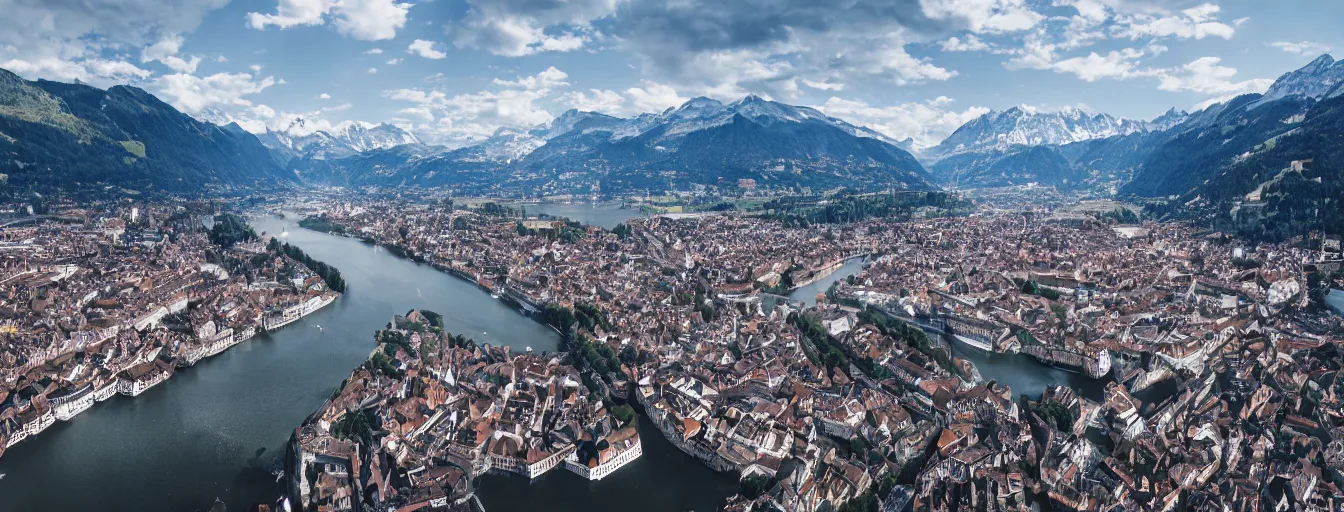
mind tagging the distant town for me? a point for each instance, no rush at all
(1214, 363)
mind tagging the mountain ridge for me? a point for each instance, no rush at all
(74, 136)
(773, 143)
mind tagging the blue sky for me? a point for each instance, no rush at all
(454, 71)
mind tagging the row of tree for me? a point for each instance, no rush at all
(329, 274)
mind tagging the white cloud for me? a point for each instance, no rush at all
(99, 72)
(416, 96)
(1117, 65)
(904, 69)
(1301, 47)
(393, 62)
(516, 28)
(1036, 53)
(927, 123)
(1207, 75)
(324, 96)
(371, 20)
(824, 86)
(422, 114)
(371, 71)
(550, 77)
(197, 95)
(256, 68)
(425, 49)
(368, 20)
(969, 43)
(374, 51)
(165, 51)
(94, 41)
(42, 28)
(260, 118)
(984, 16)
(1093, 11)
(1194, 23)
(778, 70)
(596, 100)
(513, 37)
(292, 13)
(468, 117)
(652, 97)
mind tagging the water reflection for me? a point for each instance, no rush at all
(1336, 300)
(662, 479)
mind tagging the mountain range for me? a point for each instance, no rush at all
(76, 137)
(347, 139)
(1267, 164)
(701, 142)
(80, 138)
(1258, 158)
(1022, 145)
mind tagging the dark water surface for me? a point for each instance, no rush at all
(1027, 376)
(662, 480)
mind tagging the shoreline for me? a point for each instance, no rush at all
(400, 252)
(118, 386)
(828, 270)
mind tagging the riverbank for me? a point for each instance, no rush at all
(140, 376)
(529, 308)
(219, 430)
(818, 284)
(663, 479)
(827, 270)
(413, 352)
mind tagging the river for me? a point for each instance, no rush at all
(808, 294)
(1025, 375)
(1336, 300)
(218, 429)
(662, 479)
(1022, 373)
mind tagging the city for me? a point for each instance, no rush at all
(853, 393)
(610, 255)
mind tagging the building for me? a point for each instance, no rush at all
(596, 461)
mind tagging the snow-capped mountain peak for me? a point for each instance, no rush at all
(1167, 120)
(1317, 80)
(1027, 126)
(366, 136)
(299, 138)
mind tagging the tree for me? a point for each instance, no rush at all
(754, 486)
(230, 229)
(623, 413)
